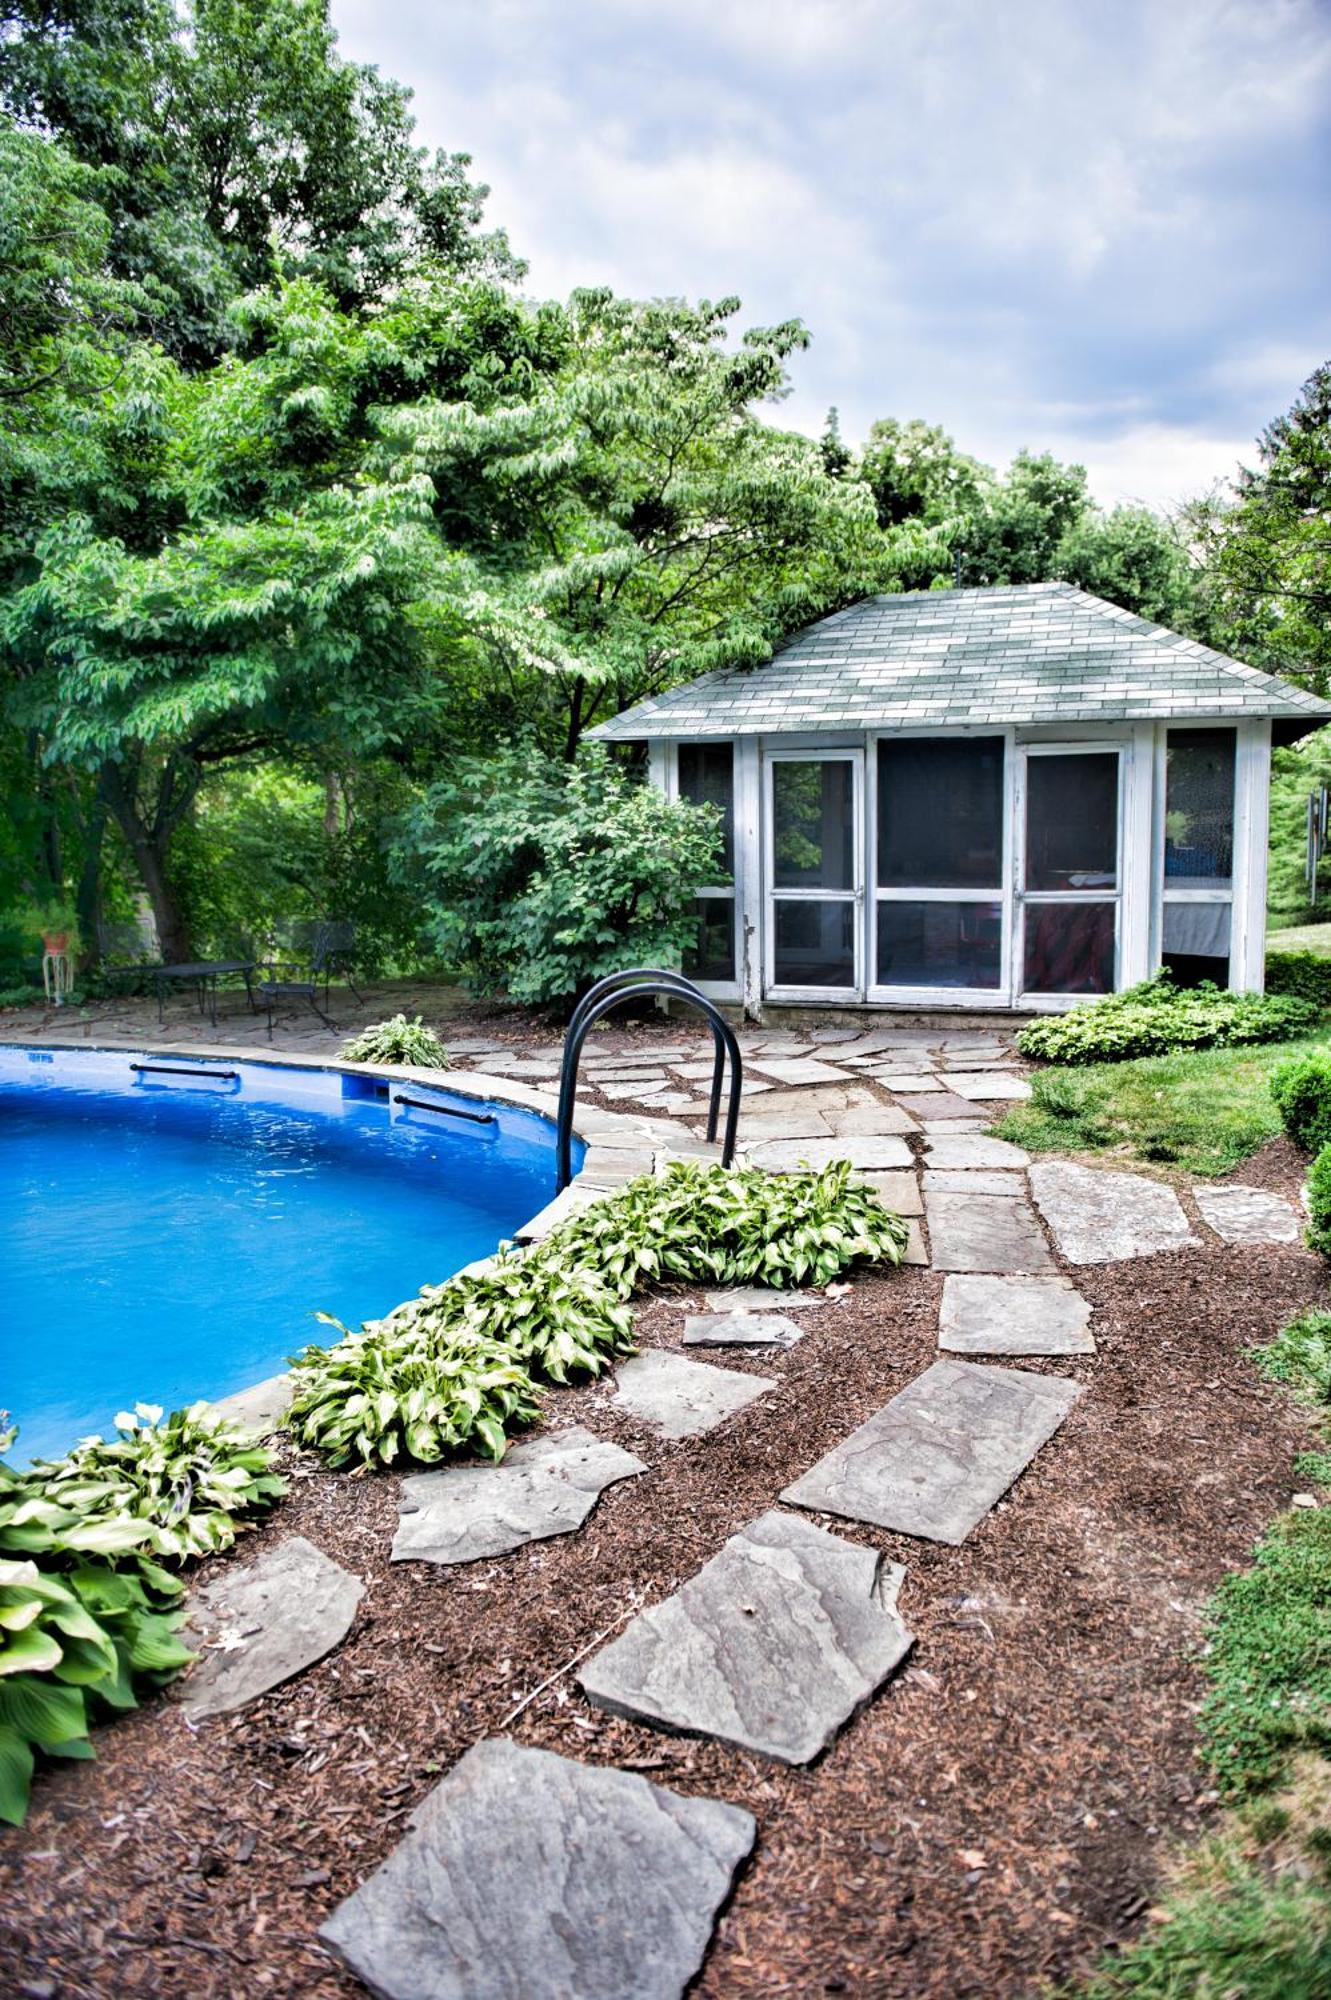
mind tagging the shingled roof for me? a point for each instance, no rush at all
(1025, 653)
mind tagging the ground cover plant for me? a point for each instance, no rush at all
(398, 1041)
(461, 1364)
(1304, 973)
(90, 1548)
(1203, 1110)
(1158, 1018)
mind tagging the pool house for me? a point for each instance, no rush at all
(1006, 798)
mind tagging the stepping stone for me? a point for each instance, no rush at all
(986, 1232)
(741, 1329)
(914, 1252)
(991, 1315)
(899, 1191)
(1247, 1214)
(610, 1166)
(944, 1105)
(914, 1082)
(870, 1119)
(791, 1156)
(933, 1461)
(683, 1398)
(986, 1086)
(1103, 1218)
(760, 1299)
(526, 1876)
(782, 1124)
(975, 1180)
(772, 1646)
(265, 1622)
(547, 1486)
(796, 1069)
(964, 1150)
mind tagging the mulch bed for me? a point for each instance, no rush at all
(994, 1817)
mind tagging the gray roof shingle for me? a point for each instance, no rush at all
(1023, 653)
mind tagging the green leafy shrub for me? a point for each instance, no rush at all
(191, 1480)
(1301, 1089)
(398, 1041)
(543, 876)
(1269, 1658)
(1157, 1018)
(459, 1364)
(1319, 1204)
(1306, 974)
(89, 1615)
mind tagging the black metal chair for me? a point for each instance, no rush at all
(298, 976)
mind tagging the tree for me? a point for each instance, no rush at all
(238, 146)
(643, 524)
(916, 473)
(240, 568)
(1269, 554)
(1133, 558)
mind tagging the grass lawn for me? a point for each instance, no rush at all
(1204, 1110)
(1301, 937)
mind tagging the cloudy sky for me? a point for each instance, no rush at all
(1098, 227)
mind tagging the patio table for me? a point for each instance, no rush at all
(203, 975)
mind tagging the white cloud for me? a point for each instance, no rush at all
(1098, 231)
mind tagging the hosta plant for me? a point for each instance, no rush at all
(398, 1041)
(192, 1478)
(460, 1364)
(89, 1611)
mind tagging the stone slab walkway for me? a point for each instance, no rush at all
(264, 1622)
(683, 1398)
(1013, 1315)
(1247, 1214)
(933, 1461)
(543, 1487)
(528, 1877)
(772, 1646)
(1104, 1218)
(741, 1329)
(984, 1232)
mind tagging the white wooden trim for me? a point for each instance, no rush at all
(852, 754)
(1136, 855)
(1252, 796)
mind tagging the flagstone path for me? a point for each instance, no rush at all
(528, 1874)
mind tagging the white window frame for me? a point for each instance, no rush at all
(1105, 747)
(970, 997)
(852, 754)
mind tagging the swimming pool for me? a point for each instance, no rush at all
(166, 1234)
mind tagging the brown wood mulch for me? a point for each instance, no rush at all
(993, 1819)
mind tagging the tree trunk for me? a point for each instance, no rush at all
(149, 843)
(88, 893)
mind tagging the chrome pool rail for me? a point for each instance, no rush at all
(641, 982)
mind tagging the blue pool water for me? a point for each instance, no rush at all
(168, 1237)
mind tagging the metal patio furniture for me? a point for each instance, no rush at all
(299, 976)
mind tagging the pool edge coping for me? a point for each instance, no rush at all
(262, 1404)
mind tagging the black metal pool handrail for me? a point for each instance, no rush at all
(639, 983)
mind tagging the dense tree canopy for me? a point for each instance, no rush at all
(302, 501)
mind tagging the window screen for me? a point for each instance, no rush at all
(1199, 808)
(940, 813)
(1071, 825)
(707, 777)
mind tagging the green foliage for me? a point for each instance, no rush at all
(1306, 974)
(398, 1041)
(89, 1615)
(544, 876)
(1204, 1110)
(459, 1364)
(1319, 1204)
(1300, 1356)
(1231, 1930)
(702, 1224)
(1296, 771)
(1269, 1655)
(1301, 1089)
(1314, 1466)
(1157, 1017)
